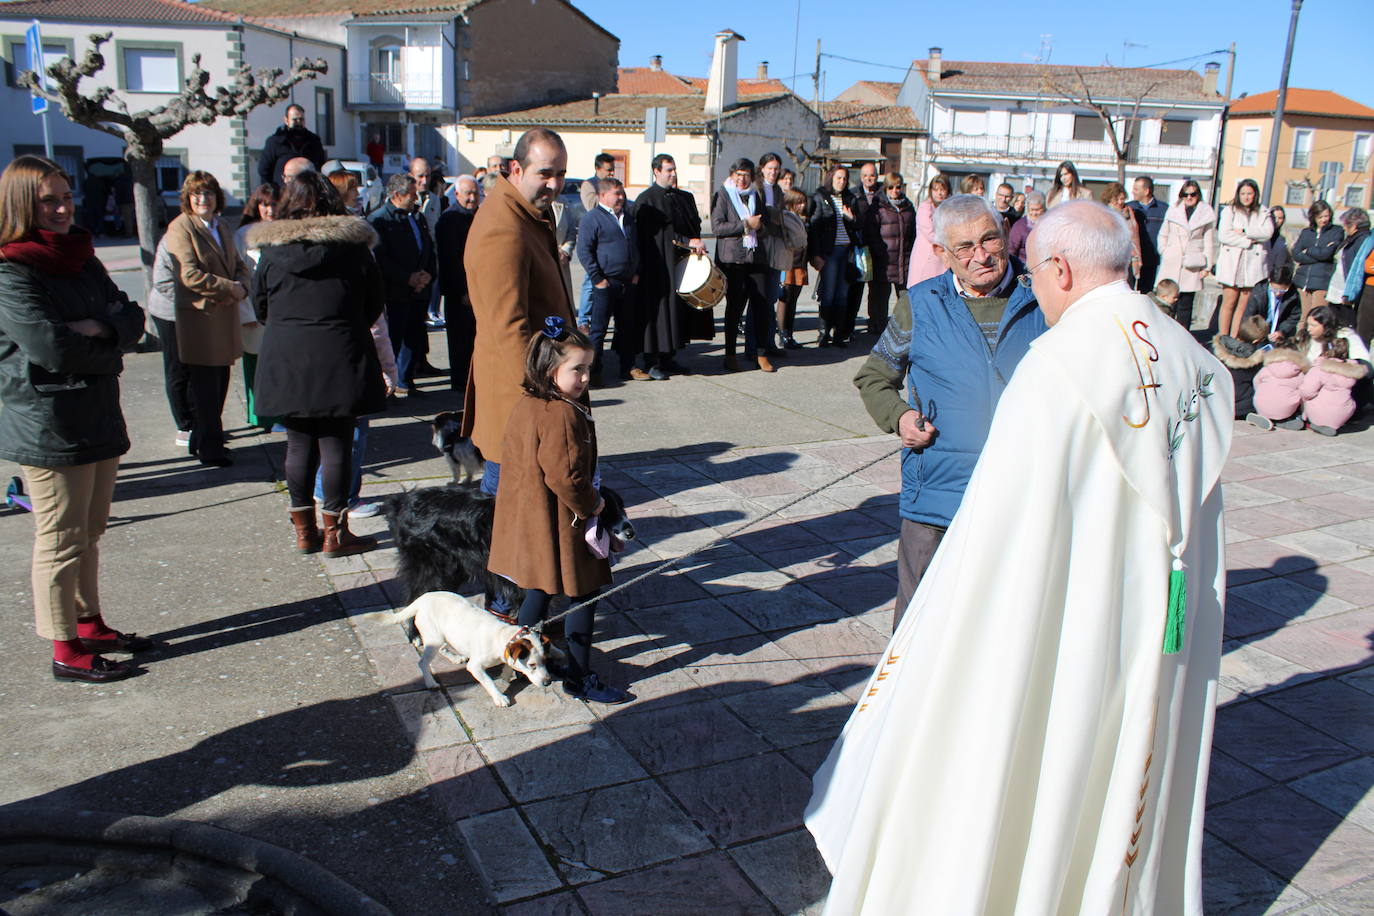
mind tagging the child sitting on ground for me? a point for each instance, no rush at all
(546, 496)
(1328, 389)
(1278, 388)
(1243, 357)
(1165, 296)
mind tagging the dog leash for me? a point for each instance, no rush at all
(668, 564)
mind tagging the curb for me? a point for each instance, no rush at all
(71, 828)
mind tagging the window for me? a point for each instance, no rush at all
(1302, 149)
(1296, 196)
(149, 66)
(71, 158)
(891, 151)
(1020, 124)
(971, 121)
(1359, 157)
(1249, 146)
(1175, 132)
(1088, 127)
(324, 115)
(622, 163)
(17, 57)
(1354, 196)
(171, 173)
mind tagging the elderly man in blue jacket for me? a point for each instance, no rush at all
(954, 349)
(608, 248)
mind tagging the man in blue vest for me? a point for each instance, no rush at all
(954, 349)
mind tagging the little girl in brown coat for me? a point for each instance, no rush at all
(545, 497)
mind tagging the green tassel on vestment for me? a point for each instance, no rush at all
(1178, 603)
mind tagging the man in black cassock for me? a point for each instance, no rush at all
(666, 215)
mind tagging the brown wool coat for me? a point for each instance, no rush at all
(545, 495)
(515, 281)
(208, 323)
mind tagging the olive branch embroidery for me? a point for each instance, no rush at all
(1188, 402)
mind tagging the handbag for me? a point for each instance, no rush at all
(863, 264)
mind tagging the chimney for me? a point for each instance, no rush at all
(1209, 77)
(933, 63)
(763, 70)
(656, 62)
(722, 90)
(596, 104)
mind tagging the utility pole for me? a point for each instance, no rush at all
(1279, 106)
(1225, 119)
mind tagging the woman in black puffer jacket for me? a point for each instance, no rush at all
(890, 230)
(318, 292)
(63, 327)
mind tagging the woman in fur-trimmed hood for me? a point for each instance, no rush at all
(1242, 358)
(318, 291)
(1278, 385)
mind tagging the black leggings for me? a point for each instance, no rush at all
(578, 626)
(1183, 310)
(790, 294)
(746, 286)
(324, 444)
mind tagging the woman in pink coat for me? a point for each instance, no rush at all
(925, 263)
(1328, 389)
(1278, 390)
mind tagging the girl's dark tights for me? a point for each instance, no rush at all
(788, 320)
(578, 626)
(323, 443)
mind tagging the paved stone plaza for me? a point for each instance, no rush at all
(288, 706)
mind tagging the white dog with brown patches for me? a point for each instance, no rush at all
(477, 640)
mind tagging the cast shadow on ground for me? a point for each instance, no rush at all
(1290, 760)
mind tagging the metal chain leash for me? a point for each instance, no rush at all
(667, 564)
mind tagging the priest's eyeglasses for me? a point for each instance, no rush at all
(1026, 279)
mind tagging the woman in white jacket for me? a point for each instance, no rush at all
(1242, 229)
(1186, 242)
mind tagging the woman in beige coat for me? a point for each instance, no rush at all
(211, 281)
(1242, 229)
(1186, 242)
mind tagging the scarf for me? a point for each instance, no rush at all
(53, 252)
(740, 199)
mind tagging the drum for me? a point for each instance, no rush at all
(700, 282)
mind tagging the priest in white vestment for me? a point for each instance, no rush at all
(1035, 740)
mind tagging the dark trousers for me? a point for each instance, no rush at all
(460, 327)
(175, 377)
(323, 444)
(1183, 309)
(616, 302)
(406, 321)
(790, 295)
(833, 283)
(1364, 313)
(577, 626)
(209, 386)
(854, 298)
(1148, 270)
(746, 290)
(879, 295)
(491, 480)
(915, 548)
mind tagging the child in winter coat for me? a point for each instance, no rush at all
(1243, 357)
(1278, 390)
(1328, 401)
(793, 279)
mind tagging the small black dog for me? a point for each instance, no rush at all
(443, 539)
(464, 459)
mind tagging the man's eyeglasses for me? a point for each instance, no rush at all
(1025, 279)
(992, 244)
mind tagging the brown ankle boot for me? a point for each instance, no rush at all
(765, 365)
(338, 540)
(308, 537)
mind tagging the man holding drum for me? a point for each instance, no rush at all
(669, 226)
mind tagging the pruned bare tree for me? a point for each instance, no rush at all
(144, 132)
(1121, 112)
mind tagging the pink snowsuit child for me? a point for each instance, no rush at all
(1278, 385)
(1327, 396)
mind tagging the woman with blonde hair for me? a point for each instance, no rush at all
(1067, 186)
(211, 282)
(1243, 229)
(925, 263)
(63, 326)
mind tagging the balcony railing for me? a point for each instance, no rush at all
(1032, 149)
(386, 90)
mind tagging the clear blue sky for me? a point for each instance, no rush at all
(1326, 54)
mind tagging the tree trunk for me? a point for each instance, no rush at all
(147, 212)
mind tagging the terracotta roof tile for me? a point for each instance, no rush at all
(866, 89)
(634, 80)
(114, 10)
(1302, 101)
(269, 9)
(1050, 79)
(839, 116)
(616, 110)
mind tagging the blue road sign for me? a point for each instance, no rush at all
(33, 39)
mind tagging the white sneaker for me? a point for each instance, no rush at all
(184, 438)
(365, 509)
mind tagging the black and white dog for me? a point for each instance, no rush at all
(443, 539)
(464, 460)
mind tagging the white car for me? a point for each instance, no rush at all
(370, 184)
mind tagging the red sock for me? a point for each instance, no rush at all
(70, 653)
(94, 628)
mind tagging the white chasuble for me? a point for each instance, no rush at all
(1026, 746)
